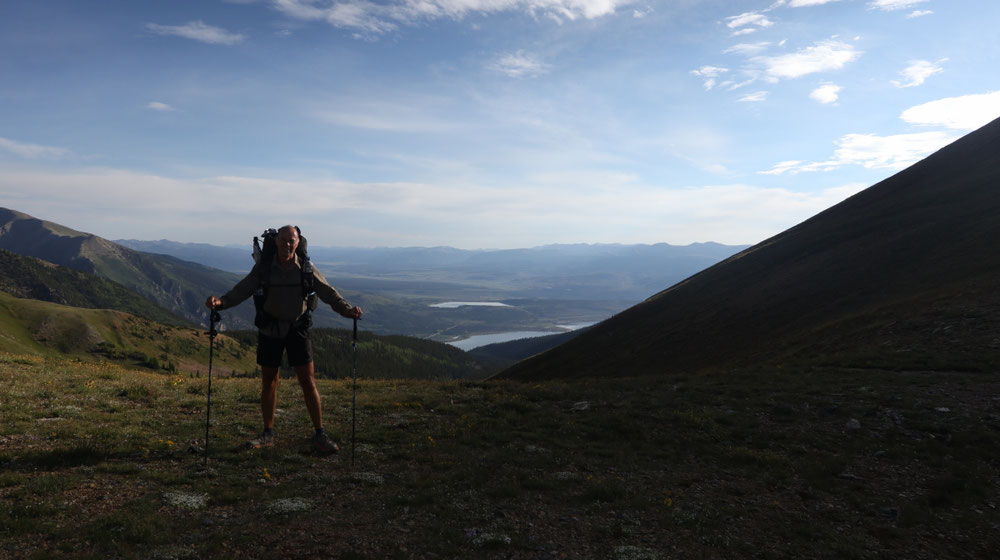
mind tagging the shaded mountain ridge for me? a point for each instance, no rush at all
(903, 274)
(28, 277)
(174, 284)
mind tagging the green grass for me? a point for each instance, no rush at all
(95, 462)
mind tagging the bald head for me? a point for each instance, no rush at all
(287, 242)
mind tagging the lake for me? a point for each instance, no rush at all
(457, 304)
(484, 339)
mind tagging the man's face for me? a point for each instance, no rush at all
(288, 241)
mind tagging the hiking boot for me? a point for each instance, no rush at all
(322, 444)
(265, 439)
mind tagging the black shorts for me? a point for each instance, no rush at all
(270, 349)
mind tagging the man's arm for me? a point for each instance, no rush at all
(240, 292)
(330, 295)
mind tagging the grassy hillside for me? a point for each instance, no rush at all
(27, 277)
(52, 330)
(903, 275)
(387, 357)
(174, 284)
(96, 461)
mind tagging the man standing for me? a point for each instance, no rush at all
(286, 329)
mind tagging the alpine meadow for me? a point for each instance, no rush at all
(546, 280)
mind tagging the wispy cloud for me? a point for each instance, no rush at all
(872, 151)
(748, 49)
(807, 3)
(748, 23)
(823, 56)
(379, 18)
(919, 13)
(640, 13)
(711, 75)
(826, 93)
(519, 65)
(32, 151)
(967, 112)
(159, 106)
(198, 31)
(893, 5)
(471, 215)
(918, 71)
(414, 115)
(755, 97)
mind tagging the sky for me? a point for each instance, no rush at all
(477, 123)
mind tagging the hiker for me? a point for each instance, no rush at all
(283, 320)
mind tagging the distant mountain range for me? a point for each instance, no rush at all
(577, 272)
(905, 274)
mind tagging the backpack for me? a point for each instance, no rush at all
(264, 249)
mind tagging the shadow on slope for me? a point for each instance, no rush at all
(902, 274)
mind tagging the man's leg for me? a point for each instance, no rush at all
(307, 379)
(268, 394)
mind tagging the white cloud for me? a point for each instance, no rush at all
(822, 57)
(918, 13)
(755, 97)
(158, 106)
(379, 18)
(918, 71)
(519, 65)
(413, 115)
(751, 19)
(893, 5)
(559, 207)
(747, 49)
(711, 75)
(871, 151)
(198, 31)
(826, 93)
(967, 112)
(31, 151)
(806, 3)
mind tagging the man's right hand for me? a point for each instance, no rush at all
(212, 302)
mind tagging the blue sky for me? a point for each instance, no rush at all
(477, 123)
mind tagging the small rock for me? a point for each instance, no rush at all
(186, 500)
(580, 406)
(853, 424)
(289, 505)
(890, 512)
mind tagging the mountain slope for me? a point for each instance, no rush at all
(903, 274)
(39, 328)
(49, 329)
(28, 277)
(177, 285)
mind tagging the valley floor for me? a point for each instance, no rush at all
(102, 462)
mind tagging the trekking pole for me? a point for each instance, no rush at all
(212, 332)
(354, 395)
